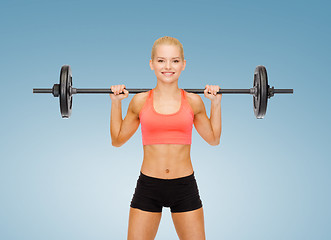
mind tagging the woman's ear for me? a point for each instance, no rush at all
(151, 65)
(184, 63)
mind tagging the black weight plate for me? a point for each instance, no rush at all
(65, 91)
(260, 100)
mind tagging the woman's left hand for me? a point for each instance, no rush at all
(211, 93)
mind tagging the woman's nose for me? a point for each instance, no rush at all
(167, 65)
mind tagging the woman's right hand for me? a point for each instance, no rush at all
(117, 89)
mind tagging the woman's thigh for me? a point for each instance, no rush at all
(190, 225)
(143, 225)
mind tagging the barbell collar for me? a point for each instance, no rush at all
(56, 90)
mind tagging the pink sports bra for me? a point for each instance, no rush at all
(175, 128)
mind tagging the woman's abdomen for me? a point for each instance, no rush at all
(167, 161)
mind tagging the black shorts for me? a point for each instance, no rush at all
(180, 194)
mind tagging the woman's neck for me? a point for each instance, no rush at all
(166, 90)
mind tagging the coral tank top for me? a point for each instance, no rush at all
(158, 128)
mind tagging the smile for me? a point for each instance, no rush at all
(168, 74)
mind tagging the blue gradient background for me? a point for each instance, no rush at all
(62, 179)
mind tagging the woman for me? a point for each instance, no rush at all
(166, 114)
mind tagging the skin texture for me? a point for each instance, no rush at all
(166, 161)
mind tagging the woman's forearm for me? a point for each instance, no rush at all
(216, 120)
(115, 119)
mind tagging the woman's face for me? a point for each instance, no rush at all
(167, 63)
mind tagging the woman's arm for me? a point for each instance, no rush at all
(122, 130)
(208, 128)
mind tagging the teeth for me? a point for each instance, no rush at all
(168, 74)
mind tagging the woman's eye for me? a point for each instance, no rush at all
(176, 61)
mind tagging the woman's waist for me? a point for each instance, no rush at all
(167, 168)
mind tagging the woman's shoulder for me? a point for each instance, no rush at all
(138, 101)
(195, 101)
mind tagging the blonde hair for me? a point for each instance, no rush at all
(168, 41)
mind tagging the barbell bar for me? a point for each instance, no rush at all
(261, 91)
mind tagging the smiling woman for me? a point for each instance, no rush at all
(167, 58)
(167, 114)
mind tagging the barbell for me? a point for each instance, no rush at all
(261, 91)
